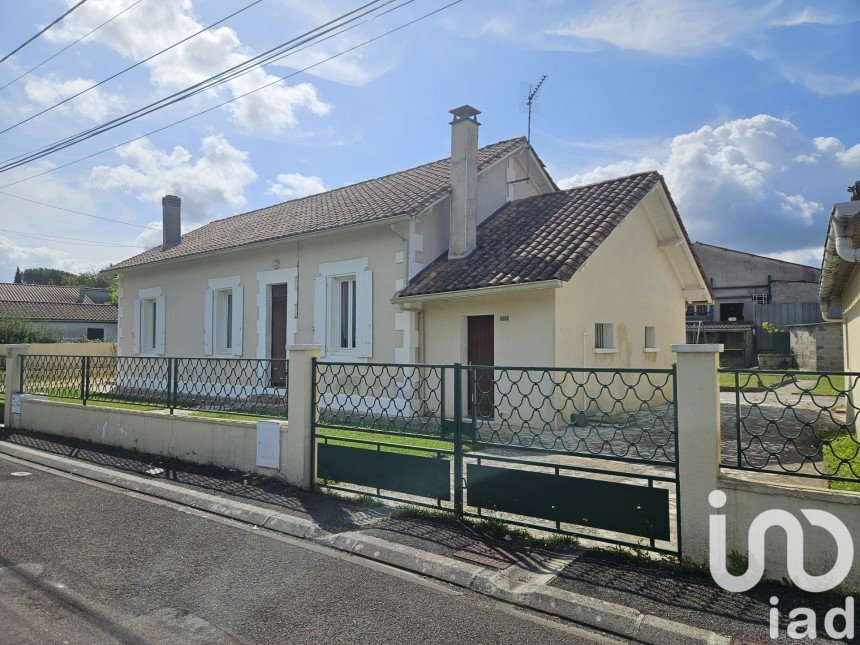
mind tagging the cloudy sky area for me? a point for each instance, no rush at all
(749, 109)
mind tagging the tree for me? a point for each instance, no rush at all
(21, 330)
(44, 275)
(17, 279)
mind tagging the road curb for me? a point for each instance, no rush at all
(619, 619)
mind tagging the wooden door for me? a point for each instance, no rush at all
(278, 335)
(480, 351)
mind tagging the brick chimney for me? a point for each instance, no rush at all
(171, 223)
(464, 182)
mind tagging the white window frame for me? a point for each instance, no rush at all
(327, 309)
(604, 338)
(223, 292)
(265, 280)
(148, 333)
(761, 298)
(651, 339)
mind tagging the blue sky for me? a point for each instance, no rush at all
(749, 109)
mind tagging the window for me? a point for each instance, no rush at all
(94, 333)
(760, 298)
(343, 308)
(345, 312)
(148, 322)
(603, 337)
(650, 337)
(222, 317)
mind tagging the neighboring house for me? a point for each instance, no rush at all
(750, 290)
(77, 313)
(840, 278)
(477, 258)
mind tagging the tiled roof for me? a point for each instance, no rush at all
(546, 237)
(10, 292)
(403, 193)
(59, 312)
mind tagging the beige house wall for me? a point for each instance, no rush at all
(627, 282)
(851, 338)
(184, 284)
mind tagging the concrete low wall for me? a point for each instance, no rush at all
(748, 499)
(69, 349)
(217, 442)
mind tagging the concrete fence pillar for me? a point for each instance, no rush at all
(698, 407)
(296, 450)
(13, 380)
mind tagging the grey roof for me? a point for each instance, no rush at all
(48, 302)
(545, 237)
(408, 192)
(11, 292)
(836, 272)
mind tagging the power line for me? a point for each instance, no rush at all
(69, 210)
(71, 44)
(241, 96)
(35, 36)
(70, 240)
(276, 53)
(130, 67)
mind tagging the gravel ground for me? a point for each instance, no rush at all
(662, 589)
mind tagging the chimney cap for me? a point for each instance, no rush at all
(170, 199)
(465, 112)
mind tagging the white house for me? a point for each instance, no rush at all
(478, 258)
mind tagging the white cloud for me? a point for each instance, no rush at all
(94, 105)
(294, 185)
(140, 33)
(748, 183)
(218, 177)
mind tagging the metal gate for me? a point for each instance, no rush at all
(583, 452)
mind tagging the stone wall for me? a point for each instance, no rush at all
(817, 347)
(793, 291)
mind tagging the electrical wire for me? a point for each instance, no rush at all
(236, 98)
(69, 210)
(35, 36)
(222, 77)
(71, 240)
(71, 44)
(129, 68)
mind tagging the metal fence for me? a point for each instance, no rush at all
(793, 422)
(583, 452)
(233, 386)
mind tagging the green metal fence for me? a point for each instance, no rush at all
(590, 453)
(230, 386)
(799, 423)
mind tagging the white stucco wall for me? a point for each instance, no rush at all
(78, 330)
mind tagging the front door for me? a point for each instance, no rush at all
(278, 349)
(480, 351)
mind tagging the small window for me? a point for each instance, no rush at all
(603, 337)
(760, 299)
(650, 337)
(702, 310)
(148, 318)
(94, 333)
(224, 321)
(345, 312)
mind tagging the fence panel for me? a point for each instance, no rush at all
(794, 423)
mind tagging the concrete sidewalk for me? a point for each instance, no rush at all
(589, 587)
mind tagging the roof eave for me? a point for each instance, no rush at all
(480, 291)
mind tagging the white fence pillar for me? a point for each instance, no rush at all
(698, 450)
(296, 450)
(13, 380)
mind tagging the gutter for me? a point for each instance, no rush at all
(842, 220)
(481, 291)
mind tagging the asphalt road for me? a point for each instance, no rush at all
(84, 563)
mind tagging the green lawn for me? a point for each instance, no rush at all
(752, 382)
(844, 450)
(830, 385)
(406, 442)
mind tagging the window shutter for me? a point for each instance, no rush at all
(238, 311)
(207, 322)
(160, 324)
(320, 312)
(135, 327)
(364, 313)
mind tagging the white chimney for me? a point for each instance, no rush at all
(464, 182)
(171, 224)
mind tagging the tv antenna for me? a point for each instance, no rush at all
(529, 104)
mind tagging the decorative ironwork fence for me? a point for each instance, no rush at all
(794, 422)
(230, 385)
(589, 453)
